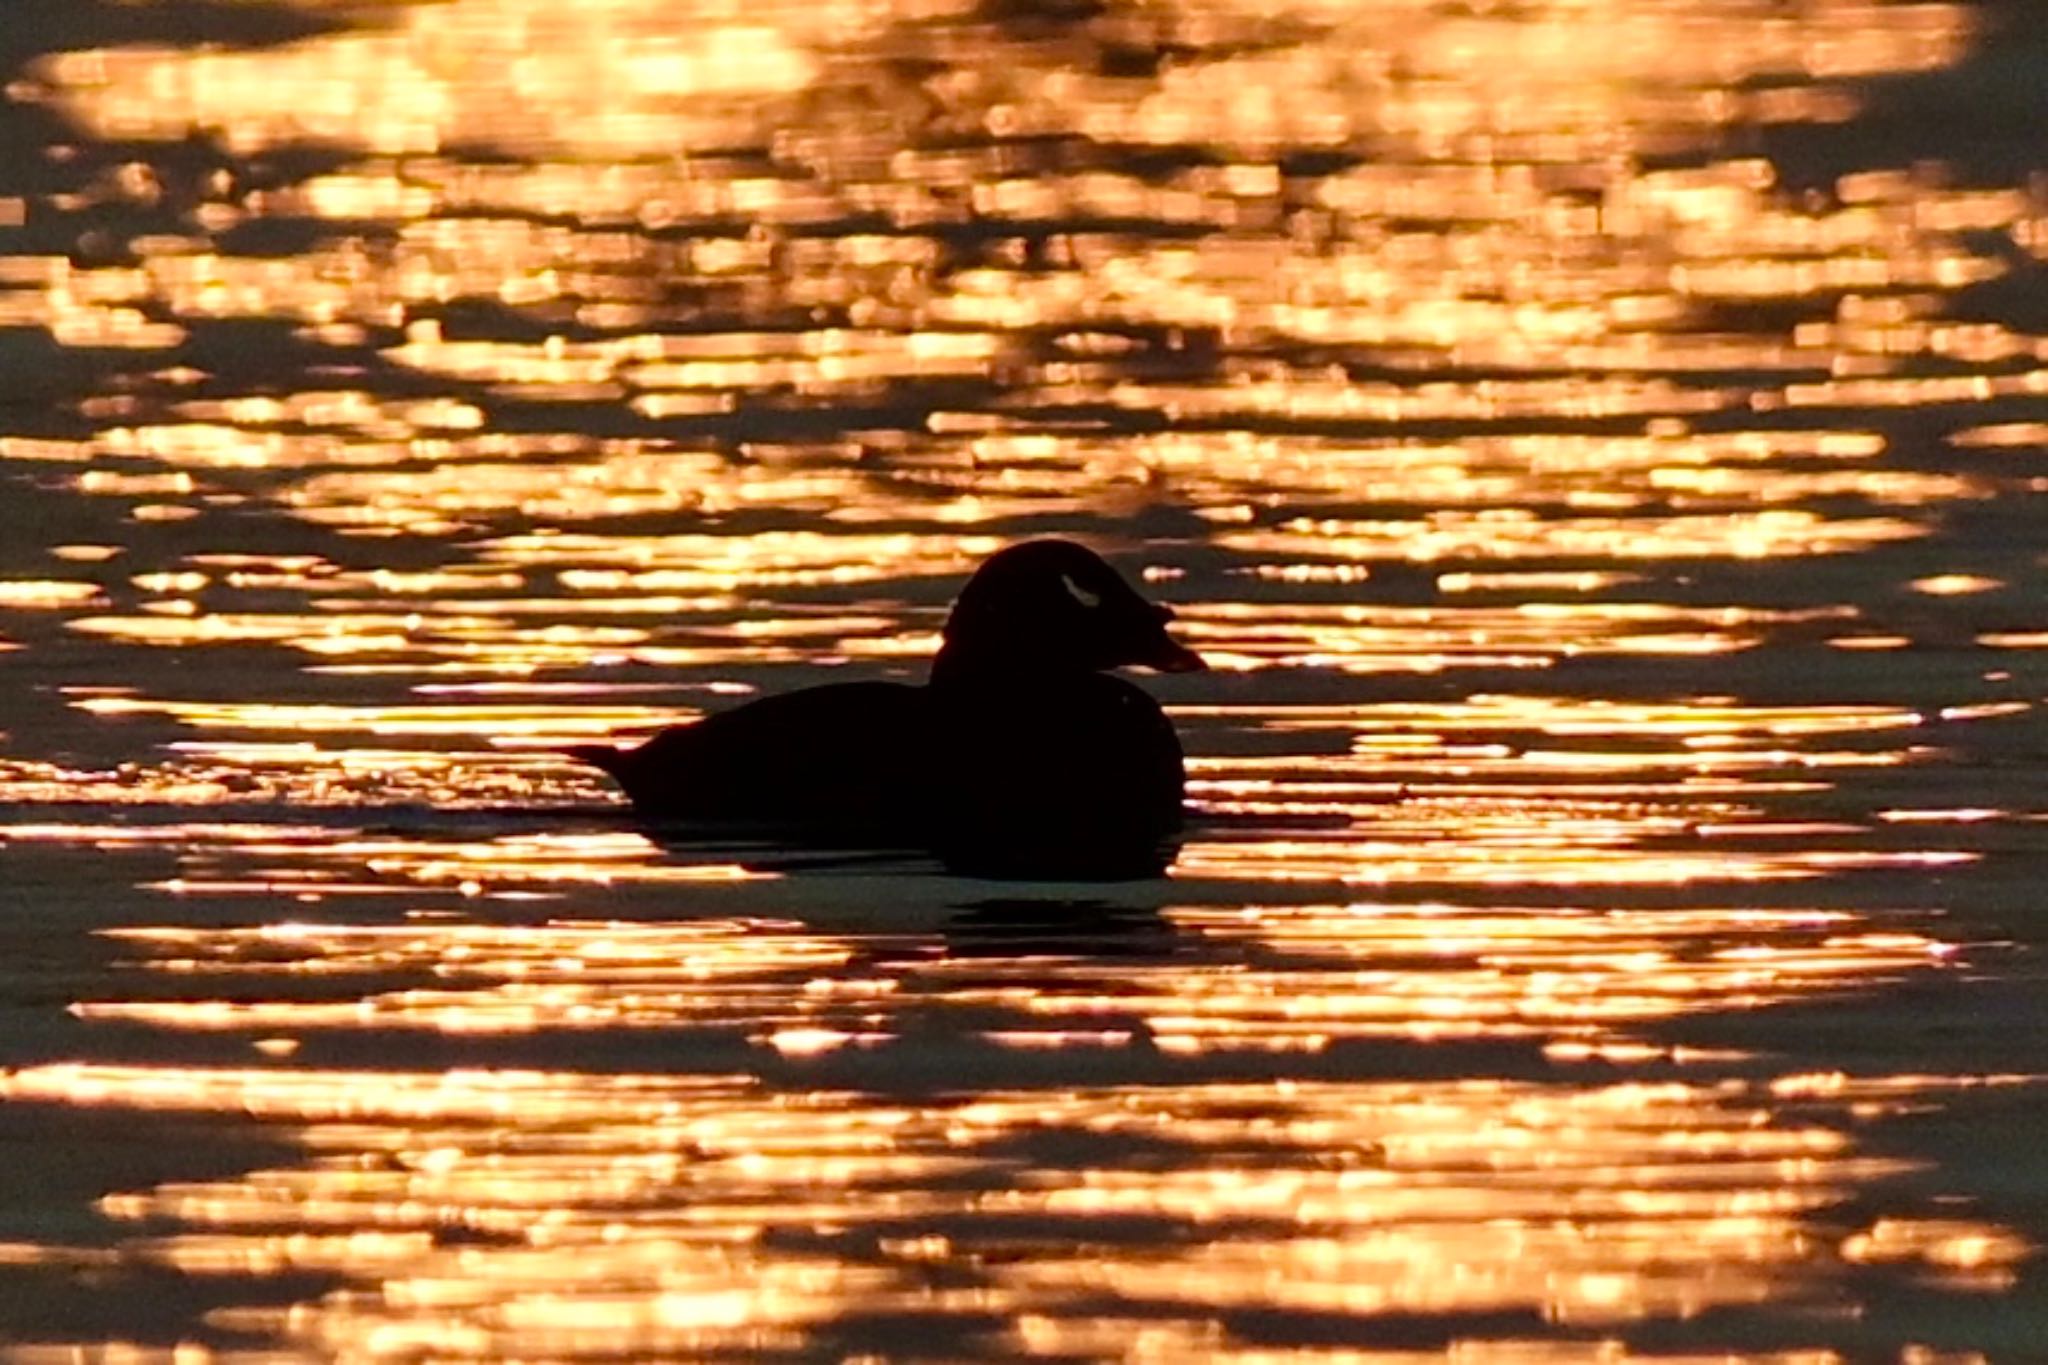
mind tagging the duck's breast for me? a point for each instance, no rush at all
(1080, 775)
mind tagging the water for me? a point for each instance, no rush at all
(1599, 447)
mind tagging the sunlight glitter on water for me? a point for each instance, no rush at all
(1338, 972)
(1598, 448)
(1442, 1198)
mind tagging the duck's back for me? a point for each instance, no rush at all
(846, 756)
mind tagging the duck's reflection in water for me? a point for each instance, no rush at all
(1023, 926)
(1112, 855)
(779, 851)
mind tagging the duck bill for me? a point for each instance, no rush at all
(1171, 656)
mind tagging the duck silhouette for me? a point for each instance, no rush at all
(1022, 756)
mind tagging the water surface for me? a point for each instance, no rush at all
(1601, 449)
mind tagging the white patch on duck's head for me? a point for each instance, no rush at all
(1079, 593)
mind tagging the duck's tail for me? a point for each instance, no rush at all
(602, 756)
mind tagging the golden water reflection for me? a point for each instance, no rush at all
(577, 1214)
(1598, 448)
(700, 1211)
(1583, 983)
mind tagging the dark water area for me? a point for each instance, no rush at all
(1600, 448)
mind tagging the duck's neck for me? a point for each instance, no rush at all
(980, 667)
(956, 667)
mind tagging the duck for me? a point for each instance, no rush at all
(1022, 755)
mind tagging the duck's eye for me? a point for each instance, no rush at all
(1079, 593)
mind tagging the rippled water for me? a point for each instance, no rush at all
(1602, 448)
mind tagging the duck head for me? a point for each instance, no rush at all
(1054, 606)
